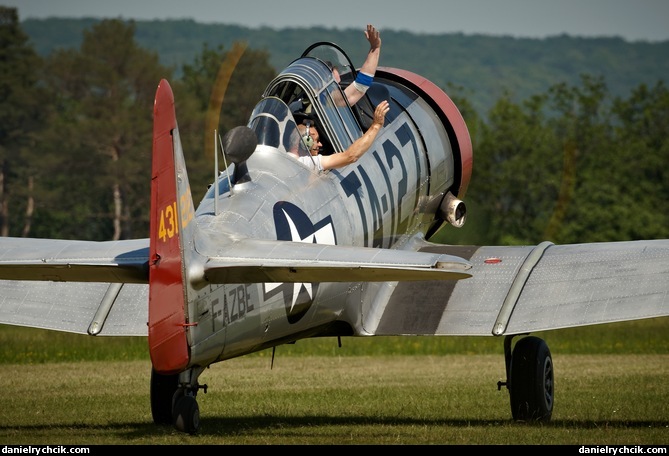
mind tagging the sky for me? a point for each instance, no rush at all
(633, 20)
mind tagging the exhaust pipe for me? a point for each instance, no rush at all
(453, 210)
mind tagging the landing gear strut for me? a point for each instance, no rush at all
(530, 380)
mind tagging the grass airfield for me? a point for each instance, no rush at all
(610, 381)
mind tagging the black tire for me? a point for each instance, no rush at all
(163, 388)
(178, 394)
(532, 388)
(187, 415)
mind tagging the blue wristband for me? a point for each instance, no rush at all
(364, 79)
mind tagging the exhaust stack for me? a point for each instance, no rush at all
(453, 210)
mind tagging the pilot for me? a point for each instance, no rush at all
(307, 128)
(352, 154)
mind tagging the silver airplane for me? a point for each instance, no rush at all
(277, 251)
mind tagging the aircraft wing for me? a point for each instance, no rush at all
(100, 288)
(516, 290)
(48, 285)
(512, 290)
(81, 261)
(84, 308)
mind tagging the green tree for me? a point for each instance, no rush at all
(21, 117)
(97, 166)
(516, 176)
(573, 166)
(642, 135)
(623, 187)
(615, 198)
(202, 93)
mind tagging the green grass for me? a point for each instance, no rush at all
(611, 389)
(452, 399)
(29, 345)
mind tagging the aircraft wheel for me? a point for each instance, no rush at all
(187, 414)
(178, 394)
(163, 388)
(532, 388)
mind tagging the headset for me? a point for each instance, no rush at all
(307, 139)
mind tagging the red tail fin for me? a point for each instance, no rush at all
(171, 212)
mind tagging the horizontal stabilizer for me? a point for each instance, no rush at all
(284, 261)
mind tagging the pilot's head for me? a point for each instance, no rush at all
(312, 133)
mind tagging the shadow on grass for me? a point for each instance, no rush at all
(270, 425)
(233, 426)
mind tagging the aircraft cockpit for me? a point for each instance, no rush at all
(344, 73)
(310, 91)
(275, 127)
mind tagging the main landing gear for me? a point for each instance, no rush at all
(173, 401)
(529, 373)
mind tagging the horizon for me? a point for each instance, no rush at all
(644, 20)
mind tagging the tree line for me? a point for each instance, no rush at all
(574, 164)
(483, 65)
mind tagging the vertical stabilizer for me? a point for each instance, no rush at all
(171, 231)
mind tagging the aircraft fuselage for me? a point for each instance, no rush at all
(382, 200)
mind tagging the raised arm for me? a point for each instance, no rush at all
(361, 145)
(356, 90)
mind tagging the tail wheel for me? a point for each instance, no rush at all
(187, 414)
(163, 388)
(532, 387)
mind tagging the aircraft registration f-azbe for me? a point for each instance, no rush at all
(277, 251)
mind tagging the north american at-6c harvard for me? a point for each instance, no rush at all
(279, 251)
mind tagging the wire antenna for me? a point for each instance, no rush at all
(225, 162)
(217, 141)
